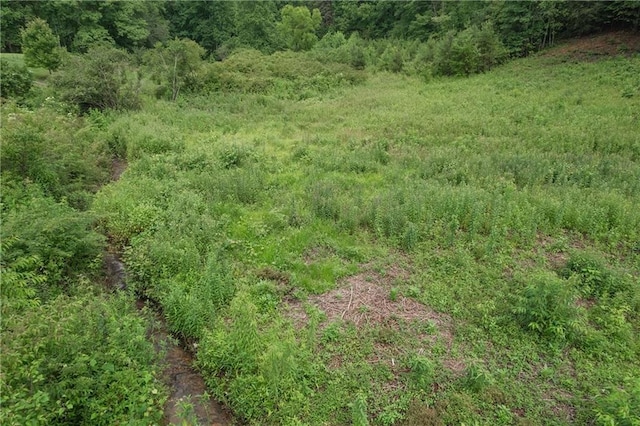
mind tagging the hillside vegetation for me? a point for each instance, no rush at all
(342, 235)
(461, 251)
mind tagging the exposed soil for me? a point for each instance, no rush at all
(595, 47)
(118, 166)
(369, 299)
(365, 299)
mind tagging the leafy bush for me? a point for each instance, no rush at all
(175, 64)
(263, 373)
(476, 378)
(392, 58)
(621, 406)
(40, 46)
(298, 26)
(99, 79)
(79, 360)
(58, 236)
(422, 372)
(596, 279)
(547, 307)
(284, 74)
(359, 411)
(64, 158)
(16, 80)
(194, 303)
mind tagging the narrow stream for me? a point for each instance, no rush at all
(188, 402)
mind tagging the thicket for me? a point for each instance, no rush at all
(237, 203)
(473, 50)
(101, 79)
(70, 354)
(283, 74)
(16, 80)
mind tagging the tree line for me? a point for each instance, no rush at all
(222, 26)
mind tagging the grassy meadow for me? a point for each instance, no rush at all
(458, 250)
(17, 59)
(341, 246)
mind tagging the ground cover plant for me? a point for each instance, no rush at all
(392, 251)
(358, 213)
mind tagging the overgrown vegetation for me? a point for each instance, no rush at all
(515, 227)
(70, 354)
(344, 234)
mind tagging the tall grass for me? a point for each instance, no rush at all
(487, 190)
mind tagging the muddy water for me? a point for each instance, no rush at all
(188, 401)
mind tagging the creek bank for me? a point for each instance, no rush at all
(188, 402)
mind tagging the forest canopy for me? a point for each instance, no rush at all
(223, 25)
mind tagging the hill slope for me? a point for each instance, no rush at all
(459, 251)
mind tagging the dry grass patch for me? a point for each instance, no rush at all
(370, 299)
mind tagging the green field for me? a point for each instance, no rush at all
(340, 246)
(444, 252)
(17, 59)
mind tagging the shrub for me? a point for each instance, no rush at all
(470, 51)
(298, 26)
(621, 406)
(422, 372)
(40, 46)
(82, 360)
(59, 236)
(100, 79)
(547, 307)
(284, 74)
(53, 151)
(16, 80)
(595, 278)
(392, 58)
(175, 65)
(356, 51)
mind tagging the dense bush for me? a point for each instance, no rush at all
(547, 307)
(59, 237)
(174, 65)
(473, 50)
(16, 80)
(99, 79)
(621, 406)
(81, 360)
(286, 74)
(595, 278)
(64, 156)
(41, 47)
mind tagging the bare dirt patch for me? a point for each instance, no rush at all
(118, 166)
(369, 299)
(366, 299)
(595, 47)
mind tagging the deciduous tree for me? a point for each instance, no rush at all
(175, 62)
(298, 26)
(40, 46)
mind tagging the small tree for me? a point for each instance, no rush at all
(298, 26)
(174, 63)
(40, 46)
